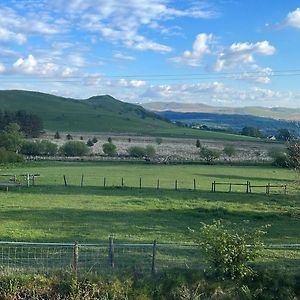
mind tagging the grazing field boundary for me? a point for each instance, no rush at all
(30, 180)
(106, 257)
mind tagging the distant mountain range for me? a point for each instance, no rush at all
(274, 112)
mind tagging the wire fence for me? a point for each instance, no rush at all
(114, 257)
(166, 182)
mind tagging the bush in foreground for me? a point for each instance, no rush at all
(228, 250)
(74, 148)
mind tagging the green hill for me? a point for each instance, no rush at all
(97, 114)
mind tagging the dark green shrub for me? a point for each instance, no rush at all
(94, 140)
(7, 156)
(69, 137)
(73, 148)
(229, 150)
(209, 155)
(198, 144)
(109, 149)
(57, 135)
(89, 143)
(42, 148)
(279, 157)
(137, 151)
(150, 151)
(30, 148)
(109, 140)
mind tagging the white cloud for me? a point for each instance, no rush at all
(293, 19)
(9, 36)
(2, 68)
(122, 56)
(122, 22)
(33, 66)
(200, 48)
(124, 83)
(183, 92)
(15, 27)
(76, 60)
(216, 93)
(239, 54)
(256, 75)
(26, 66)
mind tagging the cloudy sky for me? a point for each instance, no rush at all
(219, 52)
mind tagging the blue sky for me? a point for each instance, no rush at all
(218, 52)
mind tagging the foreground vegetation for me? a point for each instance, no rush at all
(264, 285)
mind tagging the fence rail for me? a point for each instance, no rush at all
(137, 182)
(107, 257)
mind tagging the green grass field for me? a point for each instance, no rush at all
(51, 212)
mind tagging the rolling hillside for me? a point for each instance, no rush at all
(283, 113)
(97, 114)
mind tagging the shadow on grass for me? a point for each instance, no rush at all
(257, 196)
(95, 225)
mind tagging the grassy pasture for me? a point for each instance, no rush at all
(52, 212)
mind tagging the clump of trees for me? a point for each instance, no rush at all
(140, 152)
(252, 131)
(31, 125)
(229, 150)
(209, 155)
(109, 149)
(74, 148)
(288, 157)
(198, 144)
(39, 148)
(10, 143)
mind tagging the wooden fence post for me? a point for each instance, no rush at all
(194, 184)
(153, 269)
(230, 187)
(65, 180)
(250, 191)
(285, 189)
(111, 252)
(122, 182)
(140, 182)
(33, 179)
(247, 188)
(104, 182)
(81, 183)
(157, 185)
(27, 180)
(176, 185)
(75, 257)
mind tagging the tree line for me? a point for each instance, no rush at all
(30, 124)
